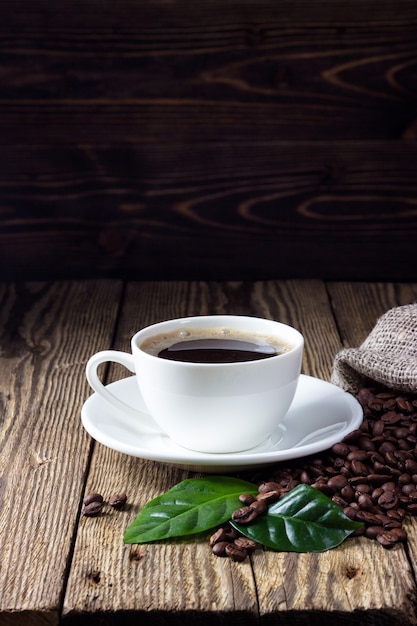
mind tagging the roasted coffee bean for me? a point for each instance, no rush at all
(363, 488)
(337, 482)
(291, 484)
(366, 444)
(388, 525)
(391, 417)
(358, 468)
(341, 449)
(260, 506)
(398, 514)
(92, 497)
(353, 436)
(376, 405)
(357, 455)
(378, 479)
(404, 479)
(365, 396)
(268, 496)
(386, 446)
(220, 536)
(401, 433)
(92, 509)
(404, 405)
(378, 428)
(231, 533)
(371, 474)
(347, 493)
(323, 487)
(373, 531)
(386, 395)
(224, 535)
(358, 480)
(305, 478)
(235, 553)
(390, 459)
(390, 537)
(365, 502)
(407, 489)
(246, 498)
(350, 512)
(118, 500)
(244, 543)
(245, 515)
(375, 457)
(269, 486)
(388, 500)
(219, 548)
(367, 517)
(340, 501)
(315, 472)
(389, 486)
(410, 466)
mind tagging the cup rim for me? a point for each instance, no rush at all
(147, 331)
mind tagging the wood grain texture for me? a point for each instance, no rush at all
(317, 589)
(341, 211)
(358, 306)
(47, 333)
(366, 303)
(162, 71)
(338, 585)
(310, 589)
(223, 140)
(173, 582)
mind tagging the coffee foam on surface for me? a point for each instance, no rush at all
(155, 344)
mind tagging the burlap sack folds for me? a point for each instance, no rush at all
(387, 357)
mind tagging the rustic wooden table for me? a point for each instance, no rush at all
(57, 566)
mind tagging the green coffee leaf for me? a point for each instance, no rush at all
(304, 520)
(193, 506)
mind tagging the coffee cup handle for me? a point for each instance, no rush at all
(125, 359)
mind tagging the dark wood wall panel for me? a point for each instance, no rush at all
(219, 139)
(171, 71)
(340, 209)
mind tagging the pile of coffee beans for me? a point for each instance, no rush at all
(94, 502)
(227, 541)
(371, 474)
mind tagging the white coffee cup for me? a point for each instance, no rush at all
(211, 407)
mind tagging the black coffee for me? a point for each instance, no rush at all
(214, 345)
(217, 351)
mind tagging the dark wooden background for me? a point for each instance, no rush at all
(158, 139)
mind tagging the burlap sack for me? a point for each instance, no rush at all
(387, 357)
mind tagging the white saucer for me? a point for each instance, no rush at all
(320, 415)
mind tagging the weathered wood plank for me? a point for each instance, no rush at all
(307, 589)
(173, 583)
(358, 306)
(318, 589)
(59, 326)
(47, 333)
(343, 211)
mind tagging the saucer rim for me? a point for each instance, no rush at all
(189, 459)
